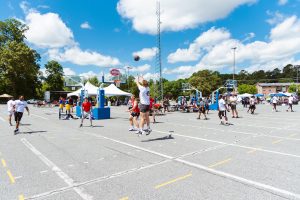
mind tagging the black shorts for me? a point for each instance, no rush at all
(144, 108)
(134, 114)
(202, 110)
(233, 107)
(274, 104)
(18, 116)
(252, 107)
(222, 114)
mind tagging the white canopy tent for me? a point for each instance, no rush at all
(245, 95)
(112, 90)
(109, 91)
(90, 88)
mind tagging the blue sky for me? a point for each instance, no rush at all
(89, 37)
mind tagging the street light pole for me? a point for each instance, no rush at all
(297, 68)
(234, 49)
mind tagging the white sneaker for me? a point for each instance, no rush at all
(131, 129)
(149, 130)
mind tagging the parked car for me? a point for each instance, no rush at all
(32, 101)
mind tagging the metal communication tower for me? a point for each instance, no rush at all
(158, 68)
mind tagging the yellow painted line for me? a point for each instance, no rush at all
(11, 177)
(276, 141)
(3, 162)
(173, 181)
(124, 198)
(254, 150)
(292, 135)
(220, 163)
(21, 197)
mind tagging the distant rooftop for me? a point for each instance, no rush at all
(276, 84)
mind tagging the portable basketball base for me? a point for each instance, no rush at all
(100, 111)
(215, 98)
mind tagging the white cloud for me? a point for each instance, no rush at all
(206, 41)
(276, 17)
(69, 72)
(85, 25)
(281, 48)
(24, 5)
(77, 56)
(43, 70)
(176, 15)
(282, 2)
(249, 36)
(89, 74)
(48, 30)
(146, 53)
(139, 69)
(148, 76)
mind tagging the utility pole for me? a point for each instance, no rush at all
(234, 49)
(297, 68)
(158, 53)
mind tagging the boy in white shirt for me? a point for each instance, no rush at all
(20, 105)
(10, 109)
(274, 101)
(291, 99)
(222, 107)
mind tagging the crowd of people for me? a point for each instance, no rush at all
(143, 106)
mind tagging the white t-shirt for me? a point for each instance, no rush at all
(233, 100)
(10, 105)
(144, 95)
(20, 105)
(222, 106)
(274, 100)
(252, 101)
(291, 100)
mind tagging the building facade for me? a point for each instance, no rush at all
(268, 88)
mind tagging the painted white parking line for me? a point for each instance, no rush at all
(68, 180)
(231, 144)
(234, 131)
(257, 185)
(96, 180)
(39, 116)
(18, 177)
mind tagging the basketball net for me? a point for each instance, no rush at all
(118, 83)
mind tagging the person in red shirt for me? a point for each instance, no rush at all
(134, 114)
(86, 111)
(152, 111)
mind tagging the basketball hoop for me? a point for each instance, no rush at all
(118, 83)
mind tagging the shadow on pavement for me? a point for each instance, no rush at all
(169, 137)
(31, 132)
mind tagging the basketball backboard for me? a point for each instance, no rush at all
(113, 77)
(73, 81)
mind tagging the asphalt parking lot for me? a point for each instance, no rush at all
(258, 157)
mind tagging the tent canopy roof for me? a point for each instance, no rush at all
(109, 91)
(5, 96)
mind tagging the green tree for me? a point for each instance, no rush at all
(205, 81)
(294, 88)
(19, 66)
(94, 80)
(245, 88)
(54, 73)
